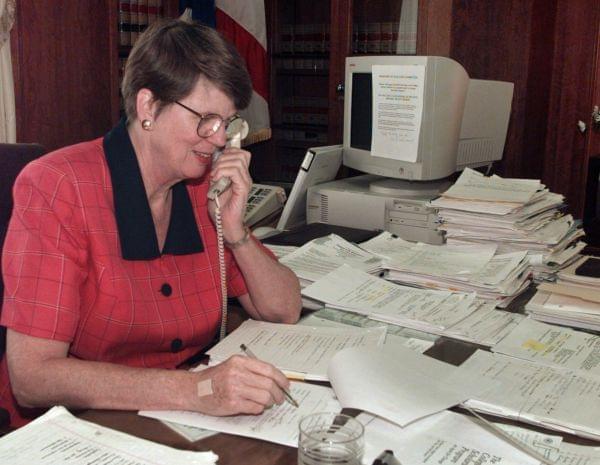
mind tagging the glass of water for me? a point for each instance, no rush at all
(329, 438)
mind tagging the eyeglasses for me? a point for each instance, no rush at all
(210, 123)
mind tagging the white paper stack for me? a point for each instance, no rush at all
(320, 256)
(515, 214)
(574, 300)
(457, 314)
(467, 268)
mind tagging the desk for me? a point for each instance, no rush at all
(255, 452)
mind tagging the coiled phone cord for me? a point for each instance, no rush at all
(222, 269)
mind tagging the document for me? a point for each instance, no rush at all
(348, 289)
(318, 257)
(461, 262)
(397, 111)
(279, 424)
(361, 321)
(432, 260)
(446, 438)
(473, 185)
(391, 340)
(401, 385)
(390, 246)
(299, 350)
(556, 398)
(553, 346)
(485, 326)
(58, 437)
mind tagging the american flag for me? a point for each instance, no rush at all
(243, 23)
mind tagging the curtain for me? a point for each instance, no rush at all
(8, 126)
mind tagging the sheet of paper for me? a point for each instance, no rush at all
(361, 321)
(390, 246)
(486, 326)
(441, 260)
(429, 312)
(59, 437)
(446, 438)
(400, 385)
(557, 398)
(349, 289)
(397, 111)
(473, 185)
(552, 345)
(279, 424)
(317, 258)
(295, 349)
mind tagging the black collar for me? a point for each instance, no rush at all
(132, 211)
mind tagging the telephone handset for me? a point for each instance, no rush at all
(239, 130)
(236, 131)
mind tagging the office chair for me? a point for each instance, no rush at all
(13, 157)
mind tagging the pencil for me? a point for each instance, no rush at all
(286, 393)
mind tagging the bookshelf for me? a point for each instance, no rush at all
(308, 44)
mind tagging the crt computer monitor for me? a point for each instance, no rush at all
(463, 121)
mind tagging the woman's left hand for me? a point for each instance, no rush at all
(233, 163)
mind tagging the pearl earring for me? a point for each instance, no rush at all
(147, 125)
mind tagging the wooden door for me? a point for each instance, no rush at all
(62, 67)
(574, 74)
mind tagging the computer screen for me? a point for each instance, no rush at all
(421, 118)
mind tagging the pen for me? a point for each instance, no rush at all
(286, 393)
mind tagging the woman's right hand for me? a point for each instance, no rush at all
(240, 385)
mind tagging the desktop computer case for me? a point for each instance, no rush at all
(349, 202)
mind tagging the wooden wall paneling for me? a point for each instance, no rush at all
(64, 90)
(565, 167)
(434, 27)
(593, 145)
(510, 41)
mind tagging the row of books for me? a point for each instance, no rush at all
(135, 16)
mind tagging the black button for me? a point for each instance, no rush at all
(166, 290)
(176, 345)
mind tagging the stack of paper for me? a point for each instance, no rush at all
(574, 300)
(59, 437)
(320, 256)
(439, 312)
(516, 214)
(468, 268)
(556, 398)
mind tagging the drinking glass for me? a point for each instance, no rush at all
(329, 438)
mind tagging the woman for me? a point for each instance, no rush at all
(110, 263)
